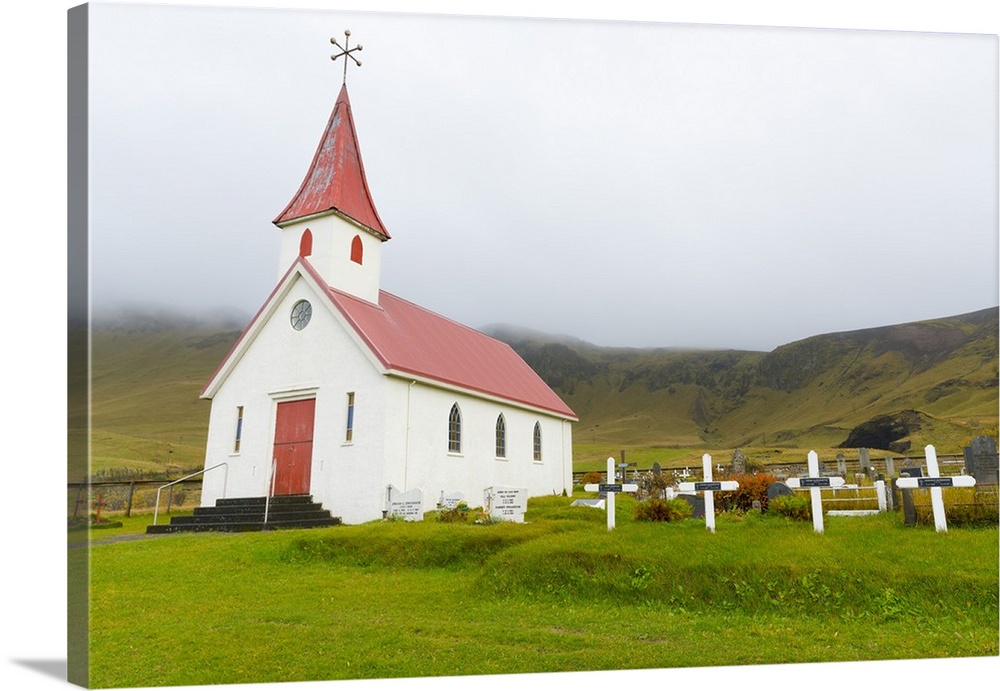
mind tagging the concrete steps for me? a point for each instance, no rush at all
(247, 514)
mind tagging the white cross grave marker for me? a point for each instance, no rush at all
(709, 488)
(610, 489)
(935, 482)
(815, 483)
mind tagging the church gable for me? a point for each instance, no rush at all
(299, 298)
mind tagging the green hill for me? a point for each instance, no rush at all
(910, 384)
(934, 381)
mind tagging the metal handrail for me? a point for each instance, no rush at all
(267, 499)
(225, 482)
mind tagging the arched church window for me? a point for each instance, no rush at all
(537, 442)
(455, 430)
(501, 437)
(306, 243)
(357, 251)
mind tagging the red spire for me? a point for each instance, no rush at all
(336, 177)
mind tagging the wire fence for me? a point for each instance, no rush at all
(90, 499)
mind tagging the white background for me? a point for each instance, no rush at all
(33, 45)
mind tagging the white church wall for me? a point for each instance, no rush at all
(400, 428)
(320, 361)
(418, 455)
(331, 254)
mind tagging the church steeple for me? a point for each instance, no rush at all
(335, 181)
(331, 220)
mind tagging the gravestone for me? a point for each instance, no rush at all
(908, 469)
(656, 468)
(906, 502)
(450, 500)
(406, 505)
(935, 482)
(708, 488)
(507, 503)
(739, 462)
(778, 489)
(890, 467)
(609, 489)
(697, 504)
(815, 483)
(841, 464)
(981, 460)
(865, 461)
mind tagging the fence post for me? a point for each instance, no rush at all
(79, 491)
(131, 493)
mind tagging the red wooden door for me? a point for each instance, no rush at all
(293, 441)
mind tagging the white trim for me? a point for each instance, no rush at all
(294, 393)
(332, 212)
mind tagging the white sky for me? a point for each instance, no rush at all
(33, 55)
(629, 183)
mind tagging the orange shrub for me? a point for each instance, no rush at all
(753, 487)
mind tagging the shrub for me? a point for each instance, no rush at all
(791, 506)
(656, 509)
(459, 514)
(753, 487)
(592, 478)
(652, 485)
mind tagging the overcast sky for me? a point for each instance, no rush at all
(629, 183)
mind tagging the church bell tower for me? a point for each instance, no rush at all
(331, 220)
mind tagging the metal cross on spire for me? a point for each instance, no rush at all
(345, 51)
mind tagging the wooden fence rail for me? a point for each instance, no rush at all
(951, 464)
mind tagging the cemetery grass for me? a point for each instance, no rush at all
(558, 593)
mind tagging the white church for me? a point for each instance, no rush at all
(339, 390)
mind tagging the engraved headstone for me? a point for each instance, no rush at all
(508, 503)
(406, 505)
(450, 500)
(739, 462)
(981, 460)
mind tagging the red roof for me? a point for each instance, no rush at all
(408, 338)
(336, 178)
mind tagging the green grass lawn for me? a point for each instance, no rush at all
(558, 593)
